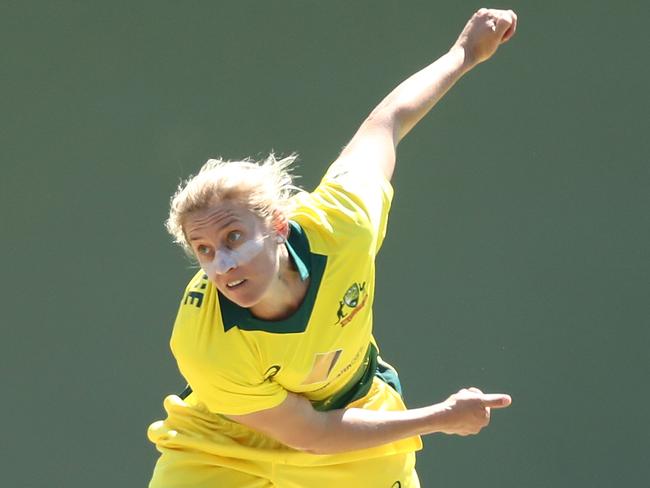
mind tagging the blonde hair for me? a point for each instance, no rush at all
(263, 186)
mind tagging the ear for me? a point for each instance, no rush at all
(280, 224)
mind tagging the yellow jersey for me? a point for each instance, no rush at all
(237, 364)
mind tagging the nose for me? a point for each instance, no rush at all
(226, 271)
(222, 263)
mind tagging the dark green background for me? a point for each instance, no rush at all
(517, 258)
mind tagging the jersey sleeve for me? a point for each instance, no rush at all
(239, 390)
(224, 371)
(350, 200)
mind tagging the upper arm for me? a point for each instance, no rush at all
(373, 147)
(355, 193)
(294, 422)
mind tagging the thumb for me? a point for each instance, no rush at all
(496, 400)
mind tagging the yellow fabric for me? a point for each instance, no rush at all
(180, 469)
(238, 371)
(191, 426)
(348, 208)
(345, 220)
(201, 449)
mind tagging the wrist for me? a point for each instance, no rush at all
(463, 57)
(438, 417)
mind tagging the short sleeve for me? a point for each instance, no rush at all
(223, 370)
(237, 391)
(348, 201)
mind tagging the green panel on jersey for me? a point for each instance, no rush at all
(308, 265)
(357, 388)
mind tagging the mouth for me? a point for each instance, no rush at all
(235, 284)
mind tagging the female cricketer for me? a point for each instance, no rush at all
(286, 387)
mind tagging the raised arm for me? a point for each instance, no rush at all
(295, 422)
(377, 138)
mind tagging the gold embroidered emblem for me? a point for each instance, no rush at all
(323, 364)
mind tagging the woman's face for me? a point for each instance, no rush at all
(236, 248)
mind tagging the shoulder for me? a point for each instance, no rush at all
(197, 310)
(347, 206)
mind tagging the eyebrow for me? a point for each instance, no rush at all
(225, 226)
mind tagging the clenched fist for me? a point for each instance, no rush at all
(485, 32)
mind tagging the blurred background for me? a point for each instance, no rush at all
(517, 258)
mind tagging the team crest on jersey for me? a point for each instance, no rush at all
(353, 300)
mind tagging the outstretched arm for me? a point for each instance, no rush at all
(377, 138)
(296, 424)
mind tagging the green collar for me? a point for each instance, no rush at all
(297, 260)
(308, 265)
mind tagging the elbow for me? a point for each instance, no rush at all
(403, 124)
(311, 442)
(386, 117)
(319, 449)
(298, 445)
(304, 445)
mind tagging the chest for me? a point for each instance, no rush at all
(332, 345)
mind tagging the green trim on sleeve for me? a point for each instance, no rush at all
(388, 375)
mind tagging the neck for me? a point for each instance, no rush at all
(285, 294)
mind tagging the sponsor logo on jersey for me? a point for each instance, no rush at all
(322, 366)
(272, 371)
(353, 300)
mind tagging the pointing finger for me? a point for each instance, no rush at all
(496, 400)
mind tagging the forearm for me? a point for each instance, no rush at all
(463, 413)
(355, 428)
(373, 145)
(375, 142)
(412, 99)
(295, 422)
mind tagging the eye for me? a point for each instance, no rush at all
(203, 250)
(234, 237)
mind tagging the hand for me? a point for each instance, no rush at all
(468, 411)
(485, 32)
